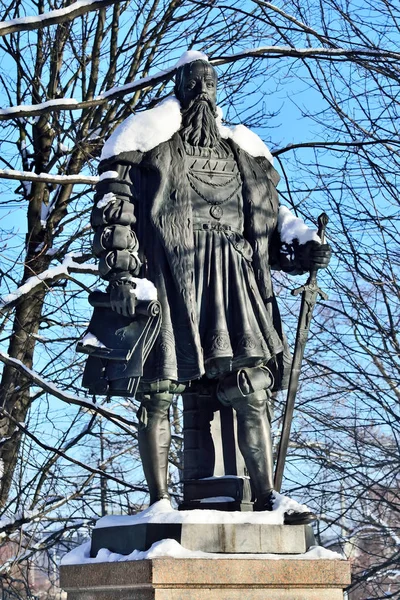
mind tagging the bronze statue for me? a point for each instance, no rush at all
(195, 211)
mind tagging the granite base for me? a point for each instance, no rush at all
(205, 579)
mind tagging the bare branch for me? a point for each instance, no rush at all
(47, 177)
(328, 54)
(50, 388)
(54, 17)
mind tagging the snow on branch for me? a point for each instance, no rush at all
(320, 53)
(52, 389)
(47, 177)
(30, 110)
(67, 266)
(53, 17)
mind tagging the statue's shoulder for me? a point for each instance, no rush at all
(247, 140)
(142, 132)
(241, 137)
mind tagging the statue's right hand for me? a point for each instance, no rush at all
(122, 297)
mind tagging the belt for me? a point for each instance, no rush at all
(215, 227)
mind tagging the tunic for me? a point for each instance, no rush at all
(235, 329)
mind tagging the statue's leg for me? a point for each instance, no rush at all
(247, 391)
(154, 436)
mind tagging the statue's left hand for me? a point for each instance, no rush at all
(313, 255)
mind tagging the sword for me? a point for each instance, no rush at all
(310, 293)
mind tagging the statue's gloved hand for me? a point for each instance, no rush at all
(313, 255)
(122, 297)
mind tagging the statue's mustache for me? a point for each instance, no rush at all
(199, 99)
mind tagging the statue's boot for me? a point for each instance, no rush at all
(248, 393)
(254, 438)
(154, 436)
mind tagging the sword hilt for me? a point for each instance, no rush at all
(304, 288)
(311, 284)
(323, 221)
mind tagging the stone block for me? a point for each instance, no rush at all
(227, 538)
(237, 488)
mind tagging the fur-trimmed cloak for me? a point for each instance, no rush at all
(155, 181)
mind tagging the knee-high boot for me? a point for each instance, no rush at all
(254, 438)
(154, 438)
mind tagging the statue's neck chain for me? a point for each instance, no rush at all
(209, 181)
(214, 202)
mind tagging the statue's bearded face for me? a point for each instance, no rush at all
(196, 89)
(197, 83)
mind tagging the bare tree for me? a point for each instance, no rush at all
(319, 82)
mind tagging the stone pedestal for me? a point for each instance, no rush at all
(208, 579)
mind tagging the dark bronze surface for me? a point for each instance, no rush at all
(197, 216)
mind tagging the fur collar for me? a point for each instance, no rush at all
(145, 130)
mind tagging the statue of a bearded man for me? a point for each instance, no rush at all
(192, 206)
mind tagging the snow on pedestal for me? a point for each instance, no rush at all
(162, 513)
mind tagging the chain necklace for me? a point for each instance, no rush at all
(212, 183)
(214, 202)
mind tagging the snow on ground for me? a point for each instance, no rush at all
(291, 228)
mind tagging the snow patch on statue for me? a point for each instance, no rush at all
(108, 175)
(106, 199)
(146, 130)
(172, 549)
(190, 56)
(293, 228)
(145, 290)
(91, 340)
(162, 512)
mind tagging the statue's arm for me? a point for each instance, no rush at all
(115, 242)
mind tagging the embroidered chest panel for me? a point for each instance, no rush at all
(215, 181)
